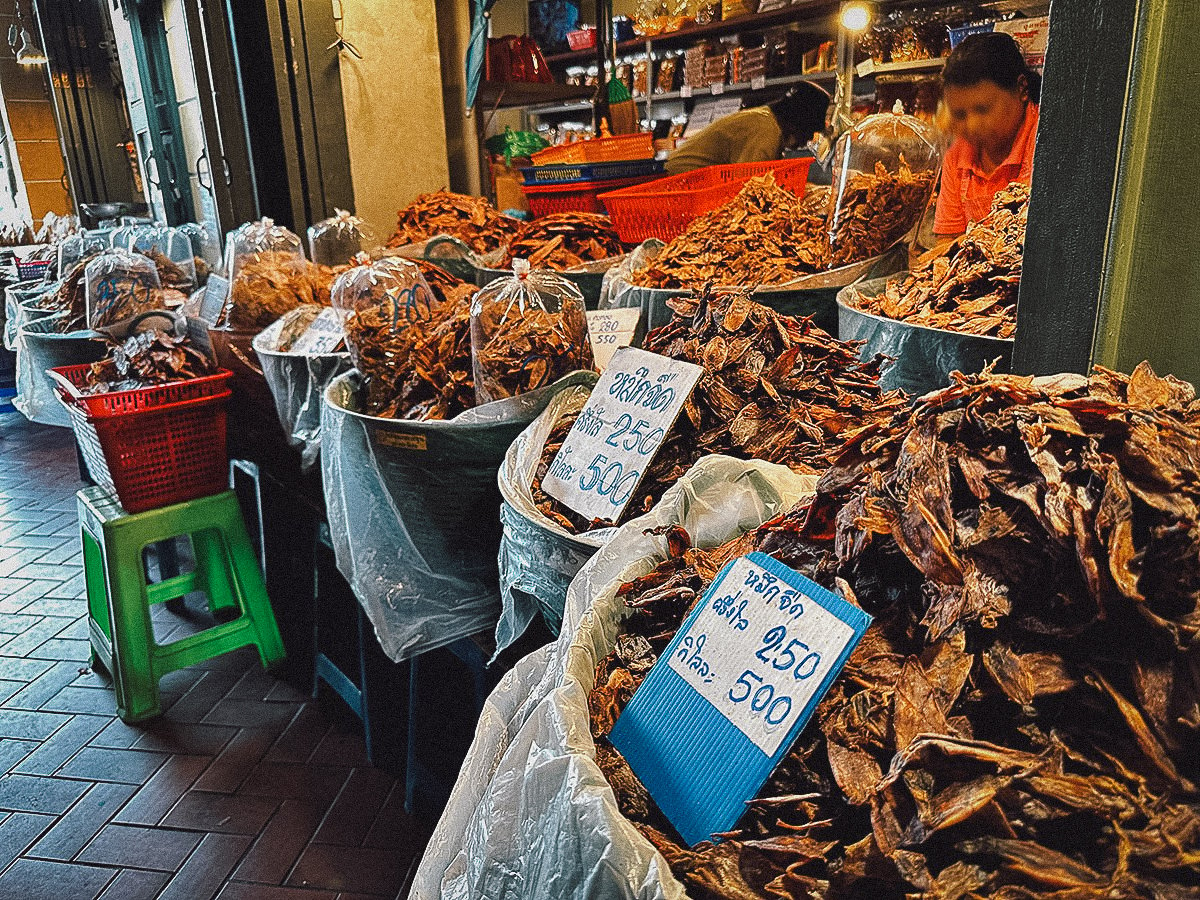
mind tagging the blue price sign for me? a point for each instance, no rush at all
(733, 690)
(618, 432)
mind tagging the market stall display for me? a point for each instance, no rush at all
(148, 358)
(1014, 722)
(972, 286)
(773, 388)
(527, 331)
(563, 241)
(471, 219)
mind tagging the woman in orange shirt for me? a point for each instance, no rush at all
(991, 96)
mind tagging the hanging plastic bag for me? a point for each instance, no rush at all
(884, 172)
(531, 770)
(414, 512)
(386, 296)
(337, 240)
(120, 285)
(527, 331)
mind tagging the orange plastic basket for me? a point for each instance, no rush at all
(575, 196)
(665, 208)
(151, 446)
(639, 145)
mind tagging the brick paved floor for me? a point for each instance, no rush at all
(244, 790)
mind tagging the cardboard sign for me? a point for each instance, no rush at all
(758, 82)
(610, 330)
(686, 91)
(717, 88)
(618, 432)
(216, 290)
(733, 690)
(323, 336)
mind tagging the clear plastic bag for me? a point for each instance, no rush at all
(249, 241)
(531, 770)
(388, 295)
(337, 240)
(206, 246)
(269, 276)
(41, 346)
(884, 172)
(120, 285)
(170, 251)
(527, 331)
(80, 245)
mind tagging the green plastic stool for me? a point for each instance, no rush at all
(120, 598)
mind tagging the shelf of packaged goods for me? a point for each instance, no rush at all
(696, 93)
(869, 68)
(804, 10)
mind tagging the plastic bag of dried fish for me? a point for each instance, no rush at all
(120, 285)
(527, 331)
(337, 240)
(385, 297)
(533, 754)
(884, 168)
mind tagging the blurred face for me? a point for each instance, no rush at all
(986, 115)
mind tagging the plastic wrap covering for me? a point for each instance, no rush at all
(414, 512)
(527, 331)
(246, 243)
(120, 285)
(205, 243)
(884, 172)
(337, 240)
(389, 294)
(80, 246)
(269, 276)
(538, 558)
(17, 308)
(170, 250)
(40, 347)
(924, 357)
(531, 814)
(813, 295)
(297, 382)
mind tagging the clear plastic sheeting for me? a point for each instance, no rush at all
(532, 814)
(17, 308)
(413, 512)
(923, 358)
(297, 384)
(40, 347)
(337, 240)
(538, 558)
(813, 295)
(121, 285)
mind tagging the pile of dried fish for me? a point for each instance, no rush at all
(764, 235)
(531, 348)
(972, 286)
(421, 372)
(874, 211)
(472, 220)
(273, 283)
(773, 388)
(1022, 719)
(147, 359)
(563, 241)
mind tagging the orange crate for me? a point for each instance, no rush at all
(610, 149)
(665, 208)
(575, 196)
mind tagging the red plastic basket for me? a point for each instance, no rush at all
(152, 446)
(664, 209)
(578, 196)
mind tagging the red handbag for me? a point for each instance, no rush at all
(516, 57)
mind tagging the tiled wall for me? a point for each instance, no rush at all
(31, 119)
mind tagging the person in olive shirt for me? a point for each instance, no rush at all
(757, 134)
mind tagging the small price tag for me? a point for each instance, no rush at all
(718, 88)
(324, 335)
(733, 690)
(619, 431)
(758, 82)
(685, 91)
(215, 293)
(865, 68)
(610, 330)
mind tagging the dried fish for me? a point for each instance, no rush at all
(1019, 720)
(147, 359)
(972, 286)
(876, 210)
(472, 220)
(273, 282)
(563, 241)
(774, 388)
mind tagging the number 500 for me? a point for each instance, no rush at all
(762, 699)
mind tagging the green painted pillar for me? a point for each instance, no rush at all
(1150, 298)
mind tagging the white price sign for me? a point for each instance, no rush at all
(686, 91)
(758, 82)
(610, 330)
(324, 335)
(619, 431)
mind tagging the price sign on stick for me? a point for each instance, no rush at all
(619, 431)
(610, 330)
(733, 690)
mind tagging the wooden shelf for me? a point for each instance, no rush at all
(799, 12)
(518, 94)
